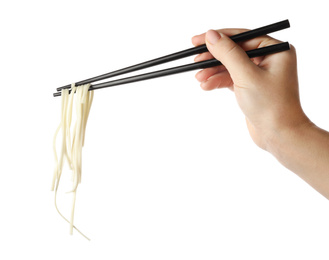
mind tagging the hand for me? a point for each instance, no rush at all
(266, 88)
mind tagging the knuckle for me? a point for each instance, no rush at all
(230, 50)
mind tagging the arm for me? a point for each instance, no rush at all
(305, 151)
(267, 92)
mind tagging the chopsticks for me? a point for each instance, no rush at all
(185, 53)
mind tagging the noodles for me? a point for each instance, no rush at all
(71, 146)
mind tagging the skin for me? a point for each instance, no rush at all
(266, 89)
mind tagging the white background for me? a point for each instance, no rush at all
(169, 170)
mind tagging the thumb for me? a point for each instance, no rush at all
(231, 55)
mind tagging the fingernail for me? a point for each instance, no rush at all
(212, 36)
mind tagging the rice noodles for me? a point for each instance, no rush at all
(72, 143)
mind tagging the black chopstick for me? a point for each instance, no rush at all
(189, 67)
(185, 53)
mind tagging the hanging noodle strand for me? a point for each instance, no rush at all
(71, 143)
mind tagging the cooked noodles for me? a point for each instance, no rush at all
(72, 142)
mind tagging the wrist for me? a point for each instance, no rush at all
(283, 133)
(271, 129)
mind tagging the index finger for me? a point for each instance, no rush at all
(201, 38)
(255, 43)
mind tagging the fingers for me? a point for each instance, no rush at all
(219, 80)
(201, 39)
(203, 56)
(251, 44)
(233, 57)
(204, 74)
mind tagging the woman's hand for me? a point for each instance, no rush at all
(266, 88)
